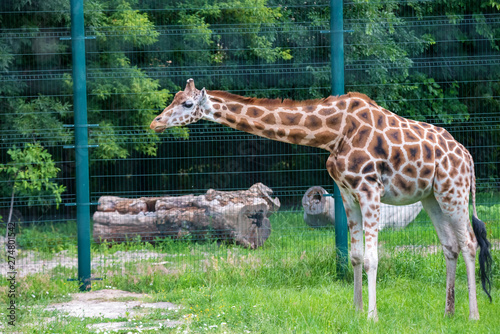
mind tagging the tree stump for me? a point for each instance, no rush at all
(398, 216)
(319, 211)
(238, 216)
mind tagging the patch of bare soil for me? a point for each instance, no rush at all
(31, 262)
(114, 304)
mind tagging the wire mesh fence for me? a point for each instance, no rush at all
(434, 61)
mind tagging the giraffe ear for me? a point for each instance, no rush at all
(203, 95)
(190, 86)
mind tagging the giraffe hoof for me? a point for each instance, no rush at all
(373, 316)
(449, 313)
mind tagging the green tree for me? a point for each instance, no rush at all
(30, 173)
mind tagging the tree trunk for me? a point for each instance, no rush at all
(237, 216)
(398, 217)
(319, 210)
(9, 219)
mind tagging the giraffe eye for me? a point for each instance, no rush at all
(188, 104)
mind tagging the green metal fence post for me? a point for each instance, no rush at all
(81, 143)
(337, 66)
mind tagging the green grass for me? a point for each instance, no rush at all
(288, 285)
(296, 294)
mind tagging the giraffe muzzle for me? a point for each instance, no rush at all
(157, 126)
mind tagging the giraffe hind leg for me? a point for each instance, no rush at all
(468, 246)
(450, 248)
(457, 216)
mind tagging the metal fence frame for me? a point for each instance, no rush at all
(83, 198)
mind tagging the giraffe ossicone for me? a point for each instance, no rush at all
(376, 157)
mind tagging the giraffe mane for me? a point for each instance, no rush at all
(286, 102)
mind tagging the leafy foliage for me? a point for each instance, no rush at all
(39, 119)
(143, 51)
(31, 170)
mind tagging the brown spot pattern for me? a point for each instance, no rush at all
(418, 130)
(216, 99)
(422, 184)
(427, 172)
(368, 168)
(269, 119)
(334, 122)
(231, 118)
(313, 122)
(413, 151)
(243, 125)
(341, 104)
(269, 133)
(309, 109)
(353, 105)
(352, 125)
(255, 112)
(365, 115)
(409, 136)
(380, 122)
(378, 147)
(407, 187)
(325, 136)
(410, 171)
(393, 122)
(296, 135)
(361, 137)
(259, 126)
(236, 108)
(353, 181)
(326, 111)
(289, 118)
(397, 158)
(356, 160)
(394, 136)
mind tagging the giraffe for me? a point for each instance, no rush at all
(375, 157)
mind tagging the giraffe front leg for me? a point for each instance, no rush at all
(357, 261)
(370, 209)
(354, 221)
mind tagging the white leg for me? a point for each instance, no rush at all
(470, 264)
(450, 248)
(453, 227)
(370, 209)
(354, 221)
(468, 246)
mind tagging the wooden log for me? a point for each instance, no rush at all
(126, 205)
(257, 191)
(113, 226)
(398, 217)
(236, 216)
(319, 210)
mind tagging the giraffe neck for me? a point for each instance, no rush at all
(316, 123)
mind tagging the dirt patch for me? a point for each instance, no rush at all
(115, 304)
(123, 325)
(31, 262)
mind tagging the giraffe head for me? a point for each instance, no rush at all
(187, 107)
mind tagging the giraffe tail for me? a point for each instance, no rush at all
(479, 228)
